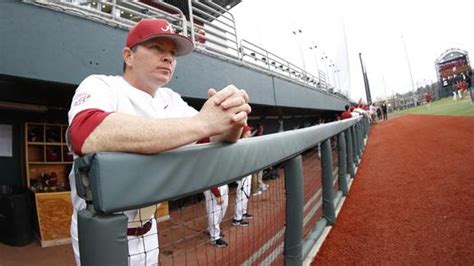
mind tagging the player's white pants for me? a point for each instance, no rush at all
(215, 213)
(74, 238)
(242, 194)
(142, 250)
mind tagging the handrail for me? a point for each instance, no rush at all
(268, 54)
(160, 12)
(184, 21)
(254, 154)
(83, 12)
(279, 64)
(191, 24)
(221, 35)
(222, 11)
(101, 180)
(209, 15)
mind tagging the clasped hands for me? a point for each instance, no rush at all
(225, 109)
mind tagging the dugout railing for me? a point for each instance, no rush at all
(112, 182)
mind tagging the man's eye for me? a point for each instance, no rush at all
(158, 48)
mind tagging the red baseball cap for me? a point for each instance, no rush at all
(147, 29)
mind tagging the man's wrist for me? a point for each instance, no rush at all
(201, 126)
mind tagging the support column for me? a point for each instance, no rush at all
(350, 153)
(329, 211)
(342, 163)
(355, 154)
(102, 239)
(293, 248)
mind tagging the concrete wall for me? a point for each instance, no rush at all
(44, 44)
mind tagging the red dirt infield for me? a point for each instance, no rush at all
(412, 200)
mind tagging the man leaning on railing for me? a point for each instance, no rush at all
(134, 113)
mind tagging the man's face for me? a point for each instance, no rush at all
(153, 62)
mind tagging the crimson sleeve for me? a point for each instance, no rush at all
(204, 140)
(82, 126)
(216, 192)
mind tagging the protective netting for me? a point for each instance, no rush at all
(189, 237)
(201, 230)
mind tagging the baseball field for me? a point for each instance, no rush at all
(444, 106)
(412, 200)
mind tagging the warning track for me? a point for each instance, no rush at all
(412, 200)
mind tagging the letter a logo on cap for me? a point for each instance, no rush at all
(147, 29)
(168, 28)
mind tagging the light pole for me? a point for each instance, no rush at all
(333, 68)
(338, 83)
(325, 58)
(314, 47)
(366, 81)
(408, 62)
(298, 33)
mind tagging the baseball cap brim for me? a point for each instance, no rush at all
(183, 44)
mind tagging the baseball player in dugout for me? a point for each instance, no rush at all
(135, 113)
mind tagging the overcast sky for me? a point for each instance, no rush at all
(373, 28)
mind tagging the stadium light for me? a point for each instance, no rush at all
(298, 32)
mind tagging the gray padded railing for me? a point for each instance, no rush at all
(114, 182)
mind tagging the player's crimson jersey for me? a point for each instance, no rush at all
(346, 115)
(428, 98)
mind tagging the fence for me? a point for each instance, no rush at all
(212, 29)
(103, 178)
(256, 55)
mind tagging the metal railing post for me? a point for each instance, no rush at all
(367, 128)
(268, 60)
(355, 154)
(293, 249)
(342, 161)
(364, 128)
(360, 135)
(364, 133)
(114, 9)
(350, 154)
(191, 20)
(357, 142)
(328, 196)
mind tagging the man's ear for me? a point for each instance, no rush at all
(127, 56)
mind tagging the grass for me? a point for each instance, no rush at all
(444, 106)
